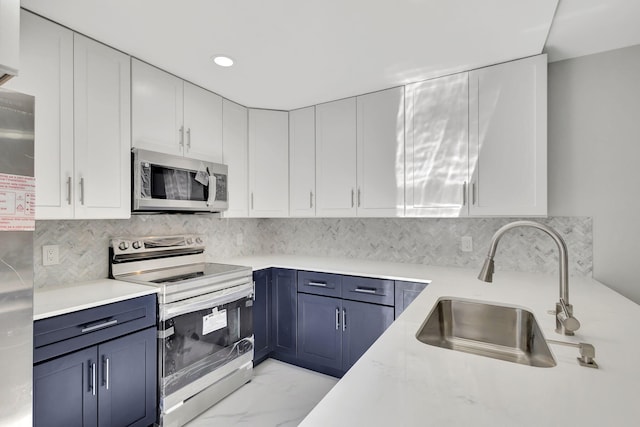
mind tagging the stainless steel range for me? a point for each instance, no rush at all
(205, 337)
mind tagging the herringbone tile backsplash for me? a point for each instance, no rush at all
(84, 244)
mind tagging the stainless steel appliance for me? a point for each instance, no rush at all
(17, 203)
(165, 183)
(205, 338)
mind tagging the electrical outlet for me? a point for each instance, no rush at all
(466, 244)
(239, 239)
(50, 255)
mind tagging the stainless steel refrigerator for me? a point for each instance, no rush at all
(17, 203)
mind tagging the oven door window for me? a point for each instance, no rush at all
(197, 343)
(173, 184)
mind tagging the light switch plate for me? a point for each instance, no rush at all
(466, 244)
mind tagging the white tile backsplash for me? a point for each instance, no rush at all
(84, 244)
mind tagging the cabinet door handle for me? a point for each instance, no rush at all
(310, 199)
(92, 378)
(181, 136)
(365, 290)
(358, 197)
(318, 284)
(337, 319)
(252, 200)
(106, 372)
(464, 193)
(99, 326)
(82, 191)
(473, 193)
(344, 319)
(188, 138)
(68, 190)
(352, 198)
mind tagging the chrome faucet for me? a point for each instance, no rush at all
(566, 324)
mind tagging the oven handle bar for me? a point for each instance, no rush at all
(214, 299)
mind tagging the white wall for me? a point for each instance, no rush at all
(594, 157)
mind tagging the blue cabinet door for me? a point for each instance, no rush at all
(319, 330)
(262, 315)
(284, 312)
(127, 380)
(406, 292)
(65, 390)
(362, 324)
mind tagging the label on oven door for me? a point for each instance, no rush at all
(214, 321)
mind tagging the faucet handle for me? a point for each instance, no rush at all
(565, 322)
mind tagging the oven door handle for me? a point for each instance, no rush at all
(203, 302)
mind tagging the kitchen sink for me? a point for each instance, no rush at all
(505, 333)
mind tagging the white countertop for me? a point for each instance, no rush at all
(80, 296)
(403, 382)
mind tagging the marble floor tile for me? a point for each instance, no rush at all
(279, 395)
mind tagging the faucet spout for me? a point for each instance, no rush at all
(565, 323)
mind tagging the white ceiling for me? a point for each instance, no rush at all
(294, 53)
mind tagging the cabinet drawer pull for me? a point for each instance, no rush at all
(181, 135)
(473, 193)
(99, 326)
(352, 198)
(358, 197)
(310, 199)
(344, 319)
(318, 284)
(188, 138)
(337, 319)
(365, 290)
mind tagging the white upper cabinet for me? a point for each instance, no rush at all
(202, 123)
(235, 155)
(174, 117)
(156, 109)
(268, 163)
(437, 147)
(46, 72)
(380, 151)
(336, 158)
(102, 130)
(302, 162)
(82, 124)
(508, 138)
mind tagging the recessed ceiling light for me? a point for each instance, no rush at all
(223, 61)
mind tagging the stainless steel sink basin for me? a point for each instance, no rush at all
(504, 333)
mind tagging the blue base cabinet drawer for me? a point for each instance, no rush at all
(376, 291)
(327, 284)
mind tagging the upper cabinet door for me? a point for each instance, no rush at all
(380, 149)
(202, 123)
(156, 105)
(302, 162)
(508, 138)
(437, 147)
(46, 72)
(102, 117)
(268, 163)
(336, 158)
(235, 147)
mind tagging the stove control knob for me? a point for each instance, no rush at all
(137, 244)
(123, 246)
(198, 240)
(189, 241)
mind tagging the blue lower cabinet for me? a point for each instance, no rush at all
(262, 315)
(284, 313)
(406, 292)
(362, 325)
(65, 392)
(111, 384)
(319, 330)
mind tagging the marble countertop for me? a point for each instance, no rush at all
(80, 296)
(401, 381)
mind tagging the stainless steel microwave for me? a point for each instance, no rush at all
(166, 183)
